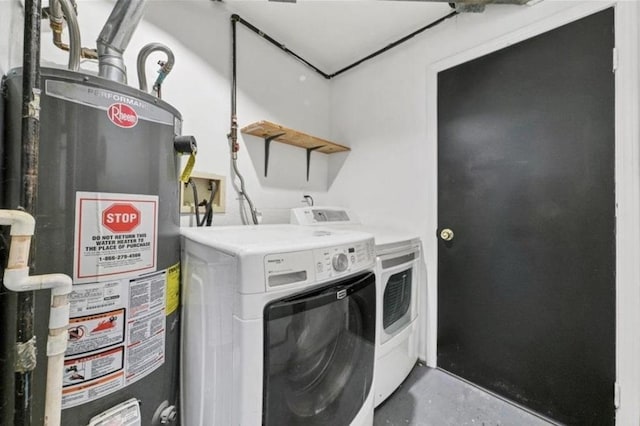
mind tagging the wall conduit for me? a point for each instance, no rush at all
(233, 133)
(284, 48)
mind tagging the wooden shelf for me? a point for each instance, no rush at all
(274, 132)
(266, 129)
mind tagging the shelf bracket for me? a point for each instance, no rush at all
(267, 145)
(309, 150)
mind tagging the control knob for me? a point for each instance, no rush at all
(340, 262)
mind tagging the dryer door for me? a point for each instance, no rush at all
(398, 292)
(319, 354)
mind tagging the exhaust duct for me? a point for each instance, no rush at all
(115, 37)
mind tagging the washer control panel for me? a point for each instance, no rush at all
(318, 264)
(335, 261)
(340, 262)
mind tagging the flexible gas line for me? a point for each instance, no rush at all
(165, 67)
(59, 10)
(241, 189)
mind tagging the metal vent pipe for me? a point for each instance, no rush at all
(115, 37)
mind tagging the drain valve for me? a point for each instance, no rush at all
(165, 414)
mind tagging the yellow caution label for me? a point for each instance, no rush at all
(188, 168)
(173, 288)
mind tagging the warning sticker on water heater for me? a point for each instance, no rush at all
(96, 331)
(117, 336)
(116, 235)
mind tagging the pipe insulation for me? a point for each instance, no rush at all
(115, 37)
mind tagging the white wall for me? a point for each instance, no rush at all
(11, 21)
(386, 109)
(271, 86)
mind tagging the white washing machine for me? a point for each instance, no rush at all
(278, 326)
(398, 258)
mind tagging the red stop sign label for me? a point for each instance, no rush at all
(121, 217)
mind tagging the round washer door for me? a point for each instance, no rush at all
(319, 354)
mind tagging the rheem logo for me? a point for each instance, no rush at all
(120, 218)
(122, 115)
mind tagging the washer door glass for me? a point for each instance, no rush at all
(319, 352)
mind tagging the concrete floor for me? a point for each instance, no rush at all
(430, 397)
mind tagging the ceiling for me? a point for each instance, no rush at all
(333, 34)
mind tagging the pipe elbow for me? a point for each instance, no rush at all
(111, 63)
(22, 223)
(14, 279)
(18, 280)
(60, 284)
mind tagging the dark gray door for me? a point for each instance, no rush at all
(526, 285)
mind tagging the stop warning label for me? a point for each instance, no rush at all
(121, 217)
(115, 235)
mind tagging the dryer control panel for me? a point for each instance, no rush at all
(322, 216)
(319, 264)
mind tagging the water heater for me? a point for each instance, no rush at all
(107, 214)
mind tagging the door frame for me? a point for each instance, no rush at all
(627, 187)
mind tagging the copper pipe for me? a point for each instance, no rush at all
(85, 52)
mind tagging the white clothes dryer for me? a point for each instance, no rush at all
(398, 257)
(278, 326)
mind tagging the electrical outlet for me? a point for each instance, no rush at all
(204, 183)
